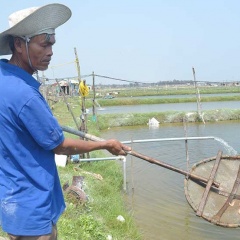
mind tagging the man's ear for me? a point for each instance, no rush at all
(18, 44)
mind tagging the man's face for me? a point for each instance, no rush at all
(40, 51)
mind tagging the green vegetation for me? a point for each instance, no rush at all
(129, 96)
(136, 119)
(136, 91)
(75, 102)
(137, 101)
(178, 90)
(97, 218)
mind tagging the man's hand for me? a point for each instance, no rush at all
(116, 148)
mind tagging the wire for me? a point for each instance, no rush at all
(119, 79)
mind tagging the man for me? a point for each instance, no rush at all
(30, 191)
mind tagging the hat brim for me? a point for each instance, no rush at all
(48, 16)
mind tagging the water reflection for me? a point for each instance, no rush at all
(156, 195)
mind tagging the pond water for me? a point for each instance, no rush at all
(192, 106)
(155, 195)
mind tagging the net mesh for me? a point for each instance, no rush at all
(218, 199)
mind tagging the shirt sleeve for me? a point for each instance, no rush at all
(38, 119)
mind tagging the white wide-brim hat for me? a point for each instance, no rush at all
(32, 21)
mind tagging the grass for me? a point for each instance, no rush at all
(137, 101)
(137, 91)
(128, 96)
(137, 119)
(97, 218)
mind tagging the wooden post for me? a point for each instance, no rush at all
(78, 65)
(198, 97)
(209, 184)
(83, 126)
(197, 92)
(186, 142)
(94, 116)
(65, 100)
(94, 95)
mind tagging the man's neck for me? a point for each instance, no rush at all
(16, 61)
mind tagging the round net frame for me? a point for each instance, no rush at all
(218, 205)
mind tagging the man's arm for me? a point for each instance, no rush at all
(76, 146)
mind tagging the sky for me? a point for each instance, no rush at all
(144, 41)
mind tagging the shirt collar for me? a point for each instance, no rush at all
(19, 72)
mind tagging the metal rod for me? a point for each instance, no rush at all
(101, 159)
(168, 139)
(146, 158)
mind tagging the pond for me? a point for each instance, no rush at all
(155, 195)
(191, 106)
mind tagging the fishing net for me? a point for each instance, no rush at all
(220, 205)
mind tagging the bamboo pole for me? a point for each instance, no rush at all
(83, 126)
(209, 184)
(197, 92)
(77, 65)
(69, 108)
(141, 156)
(198, 97)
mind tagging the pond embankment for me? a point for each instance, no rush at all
(136, 119)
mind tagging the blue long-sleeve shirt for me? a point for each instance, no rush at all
(30, 191)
